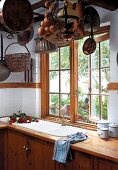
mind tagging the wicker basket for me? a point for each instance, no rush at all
(18, 62)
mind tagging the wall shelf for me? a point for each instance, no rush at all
(112, 86)
(20, 85)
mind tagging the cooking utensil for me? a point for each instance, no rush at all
(17, 14)
(4, 27)
(91, 15)
(90, 44)
(24, 37)
(4, 71)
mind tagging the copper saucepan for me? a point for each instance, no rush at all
(17, 14)
(89, 46)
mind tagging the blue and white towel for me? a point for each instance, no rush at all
(62, 150)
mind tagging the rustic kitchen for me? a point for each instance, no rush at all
(58, 85)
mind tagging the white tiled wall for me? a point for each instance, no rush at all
(25, 100)
(113, 95)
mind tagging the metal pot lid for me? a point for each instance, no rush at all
(113, 125)
(103, 122)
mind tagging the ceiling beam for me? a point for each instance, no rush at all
(38, 5)
(107, 4)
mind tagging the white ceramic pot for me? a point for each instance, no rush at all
(102, 124)
(104, 133)
(113, 130)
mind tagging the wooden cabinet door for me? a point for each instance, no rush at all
(41, 155)
(2, 149)
(81, 161)
(16, 152)
(103, 164)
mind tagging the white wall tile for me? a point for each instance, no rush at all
(113, 98)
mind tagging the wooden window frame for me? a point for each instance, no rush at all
(44, 77)
(59, 70)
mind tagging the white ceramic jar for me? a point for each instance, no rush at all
(104, 133)
(102, 124)
(113, 130)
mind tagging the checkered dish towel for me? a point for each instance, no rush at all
(62, 150)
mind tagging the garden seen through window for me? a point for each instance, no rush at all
(93, 77)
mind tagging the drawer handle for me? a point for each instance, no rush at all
(26, 148)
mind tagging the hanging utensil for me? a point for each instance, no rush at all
(90, 44)
(24, 37)
(4, 71)
(91, 14)
(17, 14)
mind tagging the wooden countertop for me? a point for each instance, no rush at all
(94, 145)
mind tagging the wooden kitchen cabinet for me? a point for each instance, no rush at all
(25, 152)
(2, 149)
(81, 161)
(103, 164)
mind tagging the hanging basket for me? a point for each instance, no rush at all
(18, 62)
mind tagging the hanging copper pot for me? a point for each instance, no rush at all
(91, 15)
(3, 27)
(17, 14)
(4, 71)
(25, 36)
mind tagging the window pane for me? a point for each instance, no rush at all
(65, 57)
(83, 108)
(104, 107)
(54, 104)
(95, 106)
(105, 53)
(95, 81)
(65, 104)
(65, 81)
(54, 81)
(95, 58)
(54, 61)
(105, 78)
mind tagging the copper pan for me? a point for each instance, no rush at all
(17, 14)
(26, 36)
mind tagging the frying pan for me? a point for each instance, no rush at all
(17, 14)
(90, 44)
(4, 71)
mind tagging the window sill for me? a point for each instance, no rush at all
(83, 125)
(20, 85)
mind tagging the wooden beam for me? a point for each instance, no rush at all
(73, 80)
(112, 86)
(102, 38)
(101, 30)
(44, 77)
(38, 5)
(20, 85)
(107, 4)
